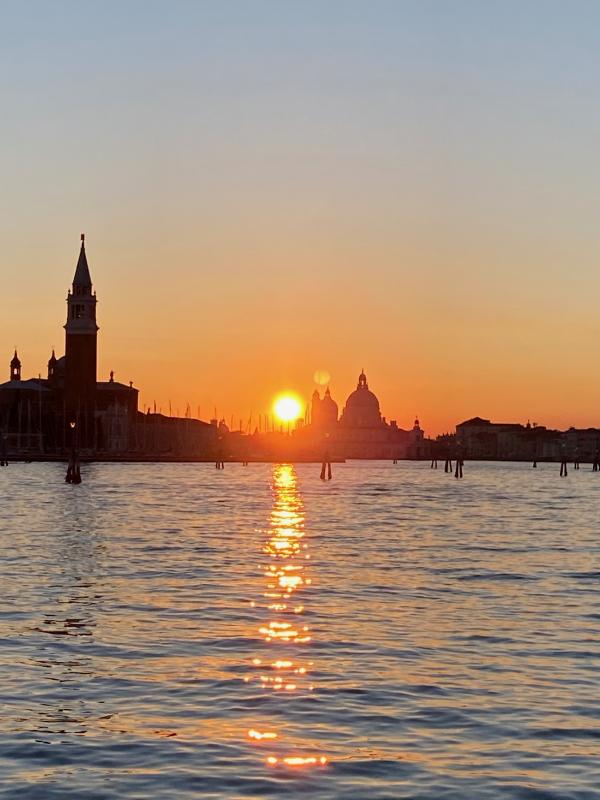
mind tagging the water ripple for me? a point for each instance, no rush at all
(172, 631)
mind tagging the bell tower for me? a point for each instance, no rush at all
(15, 368)
(315, 409)
(81, 341)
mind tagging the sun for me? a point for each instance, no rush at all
(287, 407)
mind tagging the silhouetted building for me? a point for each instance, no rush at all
(324, 413)
(164, 437)
(361, 432)
(69, 407)
(81, 344)
(510, 441)
(15, 368)
(480, 437)
(362, 408)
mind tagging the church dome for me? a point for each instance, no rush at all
(325, 411)
(329, 406)
(362, 407)
(362, 400)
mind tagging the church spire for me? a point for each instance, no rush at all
(82, 282)
(15, 367)
(51, 364)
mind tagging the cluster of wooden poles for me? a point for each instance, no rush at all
(564, 461)
(325, 467)
(459, 464)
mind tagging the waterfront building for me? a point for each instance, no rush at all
(508, 441)
(583, 443)
(478, 437)
(70, 407)
(361, 431)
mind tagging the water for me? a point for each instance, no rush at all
(401, 633)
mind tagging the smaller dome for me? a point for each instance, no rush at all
(328, 399)
(329, 406)
(16, 362)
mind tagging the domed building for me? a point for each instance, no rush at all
(324, 413)
(362, 407)
(361, 431)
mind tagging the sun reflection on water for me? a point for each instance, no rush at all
(284, 667)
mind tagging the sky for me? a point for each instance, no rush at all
(273, 188)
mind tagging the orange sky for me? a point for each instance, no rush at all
(401, 189)
(186, 336)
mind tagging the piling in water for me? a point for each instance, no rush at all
(73, 469)
(326, 467)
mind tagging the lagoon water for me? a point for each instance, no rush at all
(172, 631)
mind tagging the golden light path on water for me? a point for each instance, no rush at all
(283, 666)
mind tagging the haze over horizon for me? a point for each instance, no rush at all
(270, 189)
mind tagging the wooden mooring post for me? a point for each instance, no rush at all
(326, 467)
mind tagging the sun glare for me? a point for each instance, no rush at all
(287, 408)
(321, 377)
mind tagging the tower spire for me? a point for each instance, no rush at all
(82, 281)
(51, 364)
(15, 367)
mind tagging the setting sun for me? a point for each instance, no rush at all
(287, 408)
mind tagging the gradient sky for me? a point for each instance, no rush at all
(269, 188)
